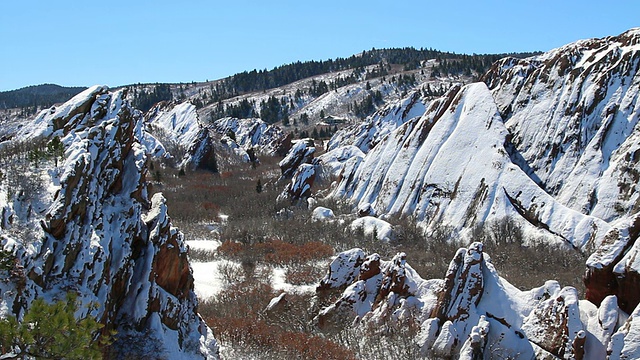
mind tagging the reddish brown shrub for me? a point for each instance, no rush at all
(231, 249)
(304, 275)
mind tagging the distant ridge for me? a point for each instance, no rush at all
(43, 95)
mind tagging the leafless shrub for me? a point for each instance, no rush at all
(202, 255)
(526, 262)
(231, 273)
(304, 274)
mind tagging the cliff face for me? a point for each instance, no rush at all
(179, 134)
(451, 167)
(572, 114)
(551, 141)
(102, 235)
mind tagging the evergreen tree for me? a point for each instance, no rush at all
(55, 150)
(304, 118)
(51, 331)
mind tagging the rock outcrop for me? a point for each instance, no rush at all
(366, 135)
(572, 115)
(301, 153)
(613, 270)
(185, 139)
(253, 134)
(450, 168)
(473, 313)
(103, 237)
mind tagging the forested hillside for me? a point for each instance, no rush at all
(37, 96)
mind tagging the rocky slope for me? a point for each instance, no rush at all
(572, 116)
(89, 225)
(388, 118)
(450, 168)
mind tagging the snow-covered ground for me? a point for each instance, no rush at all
(209, 281)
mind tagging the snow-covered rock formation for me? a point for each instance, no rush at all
(473, 313)
(572, 115)
(367, 134)
(550, 140)
(450, 168)
(252, 134)
(178, 129)
(95, 230)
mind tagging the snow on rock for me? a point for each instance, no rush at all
(178, 129)
(474, 313)
(322, 214)
(366, 135)
(300, 185)
(301, 152)
(555, 324)
(332, 163)
(625, 343)
(450, 167)
(252, 134)
(365, 209)
(612, 269)
(230, 146)
(572, 114)
(104, 237)
(376, 288)
(371, 226)
(343, 269)
(64, 117)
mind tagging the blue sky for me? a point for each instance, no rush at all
(122, 42)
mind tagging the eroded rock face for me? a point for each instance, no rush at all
(474, 313)
(555, 326)
(106, 240)
(301, 153)
(450, 167)
(573, 118)
(613, 270)
(366, 135)
(255, 134)
(375, 288)
(300, 185)
(180, 134)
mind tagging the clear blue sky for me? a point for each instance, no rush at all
(118, 42)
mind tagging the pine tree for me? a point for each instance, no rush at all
(51, 331)
(55, 150)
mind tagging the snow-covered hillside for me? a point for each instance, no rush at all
(251, 134)
(368, 133)
(450, 168)
(549, 141)
(175, 131)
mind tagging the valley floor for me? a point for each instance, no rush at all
(256, 270)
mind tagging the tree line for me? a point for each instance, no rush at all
(32, 98)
